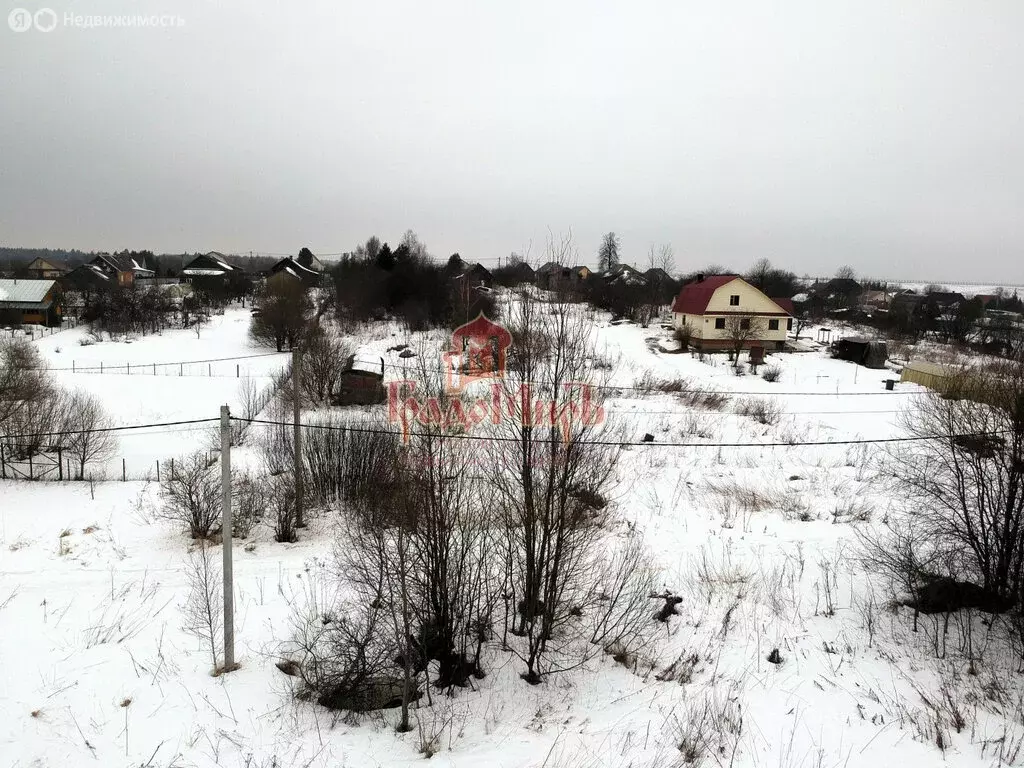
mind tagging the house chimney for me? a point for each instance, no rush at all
(700, 277)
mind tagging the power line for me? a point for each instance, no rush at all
(624, 444)
(65, 433)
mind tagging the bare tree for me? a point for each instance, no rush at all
(323, 360)
(191, 495)
(550, 481)
(740, 330)
(846, 272)
(608, 253)
(963, 486)
(23, 380)
(282, 313)
(202, 611)
(661, 257)
(758, 273)
(87, 439)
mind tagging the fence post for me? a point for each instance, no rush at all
(154, 369)
(124, 470)
(3, 464)
(101, 366)
(129, 366)
(181, 369)
(158, 470)
(60, 464)
(238, 371)
(209, 369)
(72, 366)
(30, 466)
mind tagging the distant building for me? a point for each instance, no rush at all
(708, 304)
(210, 265)
(362, 381)
(120, 269)
(553, 276)
(30, 302)
(905, 304)
(517, 273)
(290, 269)
(47, 269)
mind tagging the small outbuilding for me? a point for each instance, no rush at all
(362, 381)
(931, 375)
(866, 352)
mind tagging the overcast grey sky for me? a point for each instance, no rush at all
(886, 134)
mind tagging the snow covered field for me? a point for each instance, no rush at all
(757, 540)
(151, 380)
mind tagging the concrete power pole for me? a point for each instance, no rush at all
(297, 434)
(229, 578)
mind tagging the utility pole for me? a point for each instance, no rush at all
(225, 497)
(297, 434)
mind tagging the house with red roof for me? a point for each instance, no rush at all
(719, 309)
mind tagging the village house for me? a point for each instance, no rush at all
(553, 276)
(30, 302)
(723, 309)
(120, 268)
(46, 269)
(289, 269)
(210, 265)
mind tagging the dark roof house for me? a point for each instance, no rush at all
(289, 268)
(212, 264)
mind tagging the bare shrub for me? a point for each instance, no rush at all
(280, 500)
(762, 410)
(343, 653)
(685, 390)
(247, 504)
(711, 728)
(191, 495)
(202, 612)
(961, 484)
(851, 509)
(771, 373)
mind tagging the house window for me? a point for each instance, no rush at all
(773, 325)
(745, 324)
(789, 324)
(720, 323)
(734, 301)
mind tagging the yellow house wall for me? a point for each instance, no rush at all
(752, 301)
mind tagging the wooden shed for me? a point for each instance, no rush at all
(362, 381)
(931, 375)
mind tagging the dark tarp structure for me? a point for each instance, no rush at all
(866, 352)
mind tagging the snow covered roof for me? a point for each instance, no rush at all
(25, 290)
(366, 362)
(200, 271)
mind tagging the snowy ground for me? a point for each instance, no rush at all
(156, 379)
(97, 670)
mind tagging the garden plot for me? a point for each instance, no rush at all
(777, 648)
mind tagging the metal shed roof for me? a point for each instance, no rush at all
(24, 290)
